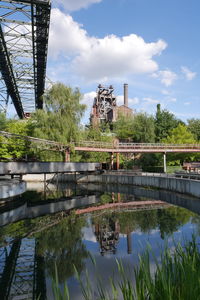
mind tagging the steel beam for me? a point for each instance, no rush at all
(24, 30)
(8, 75)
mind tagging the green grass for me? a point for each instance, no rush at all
(176, 277)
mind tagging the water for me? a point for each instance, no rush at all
(40, 229)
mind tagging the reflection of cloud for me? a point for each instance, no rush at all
(88, 234)
(155, 231)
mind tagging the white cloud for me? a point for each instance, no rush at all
(97, 59)
(88, 98)
(66, 37)
(150, 100)
(115, 57)
(187, 103)
(148, 104)
(165, 92)
(167, 77)
(131, 101)
(189, 75)
(187, 115)
(72, 5)
(171, 99)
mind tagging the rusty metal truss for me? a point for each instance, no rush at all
(24, 31)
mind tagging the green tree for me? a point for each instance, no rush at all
(139, 128)
(164, 123)
(143, 128)
(60, 120)
(180, 135)
(123, 127)
(3, 121)
(194, 128)
(95, 134)
(12, 147)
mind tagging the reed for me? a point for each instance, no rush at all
(176, 276)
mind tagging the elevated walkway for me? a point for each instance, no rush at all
(22, 168)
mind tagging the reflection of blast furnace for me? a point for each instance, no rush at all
(108, 236)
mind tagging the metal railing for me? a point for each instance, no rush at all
(115, 145)
(42, 142)
(104, 145)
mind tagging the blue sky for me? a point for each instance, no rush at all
(153, 45)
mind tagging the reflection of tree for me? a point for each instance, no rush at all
(21, 229)
(62, 246)
(141, 220)
(196, 221)
(167, 220)
(16, 230)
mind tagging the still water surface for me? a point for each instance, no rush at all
(41, 229)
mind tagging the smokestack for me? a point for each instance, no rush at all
(126, 94)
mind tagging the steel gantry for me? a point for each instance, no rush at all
(24, 31)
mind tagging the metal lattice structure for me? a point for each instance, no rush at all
(23, 284)
(24, 31)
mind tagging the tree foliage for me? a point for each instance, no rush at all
(164, 123)
(13, 148)
(143, 128)
(60, 120)
(194, 128)
(95, 134)
(180, 135)
(123, 127)
(3, 121)
(139, 128)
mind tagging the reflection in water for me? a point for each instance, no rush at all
(48, 234)
(107, 234)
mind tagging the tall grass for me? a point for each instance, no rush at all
(175, 277)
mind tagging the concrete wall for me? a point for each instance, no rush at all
(11, 188)
(184, 186)
(7, 168)
(37, 177)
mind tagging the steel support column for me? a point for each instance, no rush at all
(117, 161)
(111, 161)
(67, 156)
(165, 162)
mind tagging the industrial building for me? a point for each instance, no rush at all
(105, 107)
